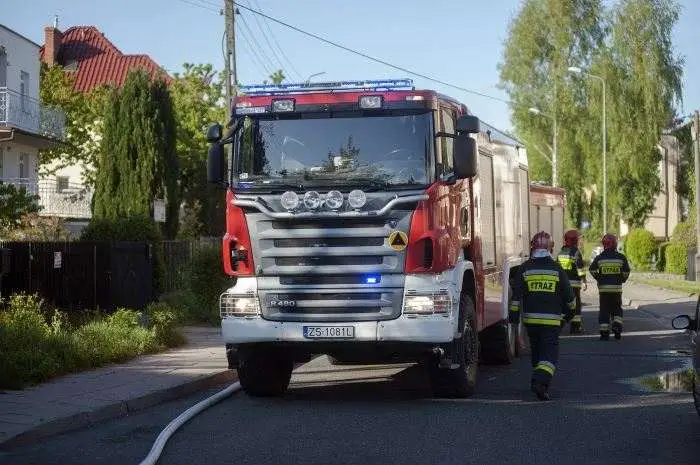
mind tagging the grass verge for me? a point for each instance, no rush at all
(36, 345)
(690, 287)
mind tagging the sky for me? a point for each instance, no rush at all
(456, 41)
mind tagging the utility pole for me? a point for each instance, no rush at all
(230, 61)
(696, 149)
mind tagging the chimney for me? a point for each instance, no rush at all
(52, 44)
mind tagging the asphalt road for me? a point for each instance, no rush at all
(600, 414)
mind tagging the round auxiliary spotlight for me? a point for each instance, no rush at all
(312, 200)
(334, 200)
(357, 199)
(289, 200)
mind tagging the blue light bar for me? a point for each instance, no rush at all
(338, 86)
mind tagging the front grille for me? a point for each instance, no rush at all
(327, 261)
(329, 224)
(330, 242)
(329, 311)
(316, 280)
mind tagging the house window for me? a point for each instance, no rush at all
(62, 183)
(24, 87)
(3, 67)
(23, 166)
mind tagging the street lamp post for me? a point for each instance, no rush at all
(555, 163)
(308, 80)
(577, 70)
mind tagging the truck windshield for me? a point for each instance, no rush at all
(386, 149)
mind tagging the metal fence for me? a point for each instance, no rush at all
(82, 275)
(177, 256)
(24, 112)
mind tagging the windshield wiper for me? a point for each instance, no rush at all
(258, 185)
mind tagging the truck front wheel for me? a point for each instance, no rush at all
(264, 372)
(459, 379)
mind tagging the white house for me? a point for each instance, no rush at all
(26, 126)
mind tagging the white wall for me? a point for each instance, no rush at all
(22, 55)
(11, 151)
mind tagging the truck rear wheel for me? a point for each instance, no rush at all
(264, 372)
(500, 343)
(459, 380)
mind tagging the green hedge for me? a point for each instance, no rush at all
(661, 257)
(676, 258)
(640, 245)
(684, 232)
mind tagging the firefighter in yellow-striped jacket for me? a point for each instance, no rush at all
(543, 297)
(611, 270)
(571, 261)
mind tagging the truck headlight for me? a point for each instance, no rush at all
(427, 303)
(236, 306)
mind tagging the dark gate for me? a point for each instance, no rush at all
(81, 275)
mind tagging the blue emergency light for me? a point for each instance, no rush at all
(372, 279)
(376, 85)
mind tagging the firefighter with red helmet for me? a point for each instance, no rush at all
(571, 261)
(610, 269)
(543, 298)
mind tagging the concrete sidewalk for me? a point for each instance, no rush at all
(83, 399)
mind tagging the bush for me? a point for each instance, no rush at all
(640, 245)
(684, 232)
(205, 283)
(34, 348)
(676, 258)
(661, 259)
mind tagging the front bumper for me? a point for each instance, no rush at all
(435, 329)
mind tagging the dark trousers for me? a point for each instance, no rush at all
(544, 345)
(610, 312)
(576, 321)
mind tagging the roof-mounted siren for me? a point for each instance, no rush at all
(376, 85)
(465, 150)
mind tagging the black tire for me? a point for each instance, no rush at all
(460, 382)
(499, 343)
(264, 373)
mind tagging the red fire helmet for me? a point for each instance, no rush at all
(542, 240)
(571, 238)
(609, 241)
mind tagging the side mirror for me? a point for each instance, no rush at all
(683, 322)
(468, 124)
(216, 164)
(464, 156)
(215, 133)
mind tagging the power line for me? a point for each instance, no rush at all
(199, 5)
(274, 39)
(258, 48)
(371, 58)
(253, 52)
(267, 41)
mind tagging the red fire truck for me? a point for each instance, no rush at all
(371, 222)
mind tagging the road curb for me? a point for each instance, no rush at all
(117, 409)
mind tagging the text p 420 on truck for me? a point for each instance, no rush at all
(364, 220)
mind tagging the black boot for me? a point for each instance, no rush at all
(617, 330)
(604, 335)
(576, 328)
(540, 390)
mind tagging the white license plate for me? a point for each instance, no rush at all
(329, 332)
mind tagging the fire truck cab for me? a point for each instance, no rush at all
(371, 222)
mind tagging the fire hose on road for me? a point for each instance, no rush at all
(184, 417)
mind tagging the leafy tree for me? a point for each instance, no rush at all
(277, 77)
(138, 162)
(83, 122)
(644, 81)
(544, 39)
(198, 101)
(15, 202)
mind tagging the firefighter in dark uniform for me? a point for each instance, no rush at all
(571, 261)
(610, 269)
(543, 297)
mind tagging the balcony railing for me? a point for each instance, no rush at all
(58, 199)
(23, 112)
